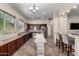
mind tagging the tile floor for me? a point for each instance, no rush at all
(29, 49)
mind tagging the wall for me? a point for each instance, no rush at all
(60, 25)
(6, 7)
(63, 24)
(50, 28)
(55, 28)
(37, 21)
(72, 19)
(42, 21)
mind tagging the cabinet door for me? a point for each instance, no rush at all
(11, 47)
(19, 42)
(30, 35)
(3, 50)
(27, 37)
(24, 38)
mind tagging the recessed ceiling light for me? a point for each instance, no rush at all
(63, 13)
(68, 11)
(75, 7)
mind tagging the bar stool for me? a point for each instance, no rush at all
(59, 40)
(71, 47)
(66, 44)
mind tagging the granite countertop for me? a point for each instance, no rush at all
(2, 42)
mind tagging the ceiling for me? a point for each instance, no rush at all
(74, 12)
(45, 9)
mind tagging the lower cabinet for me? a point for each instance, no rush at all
(3, 50)
(19, 43)
(24, 38)
(9, 48)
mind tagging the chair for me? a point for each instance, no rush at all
(58, 40)
(66, 44)
(71, 46)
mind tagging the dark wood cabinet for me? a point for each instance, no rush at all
(30, 35)
(42, 27)
(19, 42)
(3, 50)
(9, 48)
(24, 38)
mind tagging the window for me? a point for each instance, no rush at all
(25, 26)
(23, 29)
(7, 23)
(20, 26)
(10, 25)
(1, 22)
